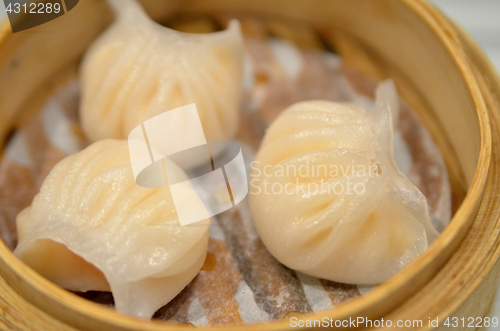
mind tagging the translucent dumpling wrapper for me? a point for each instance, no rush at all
(91, 227)
(326, 195)
(138, 69)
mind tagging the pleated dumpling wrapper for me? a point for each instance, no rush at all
(326, 195)
(138, 69)
(91, 227)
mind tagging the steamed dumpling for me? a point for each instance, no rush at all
(138, 69)
(92, 227)
(327, 198)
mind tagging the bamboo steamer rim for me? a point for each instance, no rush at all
(485, 64)
(31, 280)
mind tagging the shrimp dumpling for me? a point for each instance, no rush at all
(91, 227)
(327, 197)
(138, 69)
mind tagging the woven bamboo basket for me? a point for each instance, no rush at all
(439, 71)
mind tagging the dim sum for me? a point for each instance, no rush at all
(327, 197)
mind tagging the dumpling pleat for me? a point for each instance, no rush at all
(96, 220)
(360, 220)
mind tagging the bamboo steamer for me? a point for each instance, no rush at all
(439, 71)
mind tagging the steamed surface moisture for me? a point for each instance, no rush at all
(356, 227)
(92, 227)
(138, 69)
